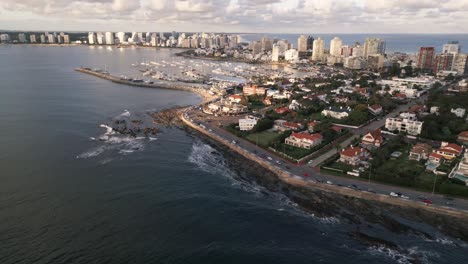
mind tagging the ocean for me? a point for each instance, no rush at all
(71, 192)
(407, 43)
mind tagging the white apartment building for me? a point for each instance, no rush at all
(32, 38)
(411, 127)
(291, 55)
(247, 124)
(121, 37)
(335, 46)
(318, 49)
(22, 38)
(51, 39)
(92, 38)
(110, 38)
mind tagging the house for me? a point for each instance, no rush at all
(416, 109)
(435, 158)
(295, 105)
(341, 99)
(267, 101)
(311, 126)
(400, 96)
(304, 140)
(337, 112)
(282, 110)
(247, 124)
(463, 137)
(461, 171)
(235, 98)
(420, 151)
(449, 150)
(459, 112)
(375, 109)
(283, 125)
(353, 155)
(253, 89)
(373, 139)
(338, 129)
(434, 110)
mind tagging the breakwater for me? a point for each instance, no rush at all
(160, 85)
(451, 221)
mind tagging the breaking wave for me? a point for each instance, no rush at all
(412, 255)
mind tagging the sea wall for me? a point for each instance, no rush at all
(330, 200)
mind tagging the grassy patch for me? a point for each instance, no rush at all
(264, 139)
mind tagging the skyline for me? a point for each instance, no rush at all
(258, 16)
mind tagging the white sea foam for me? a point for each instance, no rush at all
(92, 153)
(125, 113)
(413, 254)
(152, 138)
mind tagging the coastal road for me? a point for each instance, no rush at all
(312, 173)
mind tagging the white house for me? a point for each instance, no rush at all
(409, 126)
(459, 112)
(247, 124)
(337, 112)
(304, 140)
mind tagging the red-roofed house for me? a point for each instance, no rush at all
(375, 109)
(304, 140)
(463, 137)
(353, 155)
(435, 158)
(267, 101)
(338, 129)
(372, 139)
(400, 96)
(311, 126)
(449, 150)
(282, 110)
(420, 151)
(416, 109)
(235, 98)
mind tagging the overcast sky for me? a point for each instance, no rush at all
(275, 16)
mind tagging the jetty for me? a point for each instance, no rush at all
(140, 83)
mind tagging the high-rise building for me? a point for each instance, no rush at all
(302, 44)
(358, 50)
(291, 55)
(266, 44)
(43, 38)
(101, 38)
(51, 39)
(21, 38)
(66, 39)
(374, 46)
(59, 39)
(335, 46)
(443, 62)
(256, 47)
(346, 51)
(460, 64)
(32, 38)
(121, 37)
(154, 40)
(318, 50)
(375, 61)
(275, 53)
(426, 58)
(110, 40)
(310, 43)
(452, 47)
(5, 38)
(91, 38)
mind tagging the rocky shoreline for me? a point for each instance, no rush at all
(327, 204)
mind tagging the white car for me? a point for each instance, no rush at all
(269, 158)
(405, 197)
(393, 194)
(329, 183)
(278, 162)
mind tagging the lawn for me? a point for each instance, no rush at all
(264, 139)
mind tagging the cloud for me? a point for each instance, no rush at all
(292, 16)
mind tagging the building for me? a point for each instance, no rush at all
(32, 38)
(247, 124)
(92, 38)
(443, 62)
(426, 58)
(100, 38)
(235, 98)
(461, 170)
(335, 46)
(253, 89)
(43, 38)
(291, 55)
(373, 139)
(5, 38)
(66, 39)
(275, 53)
(51, 39)
(122, 38)
(21, 38)
(110, 39)
(407, 125)
(460, 64)
(304, 140)
(354, 63)
(337, 113)
(283, 125)
(449, 150)
(459, 112)
(375, 109)
(318, 51)
(302, 44)
(435, 159)
(374, 46)
(463, 138)
(420, 151)
(375, 61)
(452, 47)
(353, 155)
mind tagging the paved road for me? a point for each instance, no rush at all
(311, 173)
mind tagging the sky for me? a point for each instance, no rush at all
(247, 16)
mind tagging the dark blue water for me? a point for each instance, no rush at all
(65, 198)
(408, 43)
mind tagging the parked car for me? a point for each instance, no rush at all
(278, 162)
(427, 201)
(329, 183)
(393, 194)
(404, 197)
(269, 158)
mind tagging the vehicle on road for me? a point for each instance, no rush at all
(233, 142)
(278, 162)
(427, 201)
(329, 183)
(210, 130)
(269, 158)
(393, 194)
(288, 168)
(404, 197)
